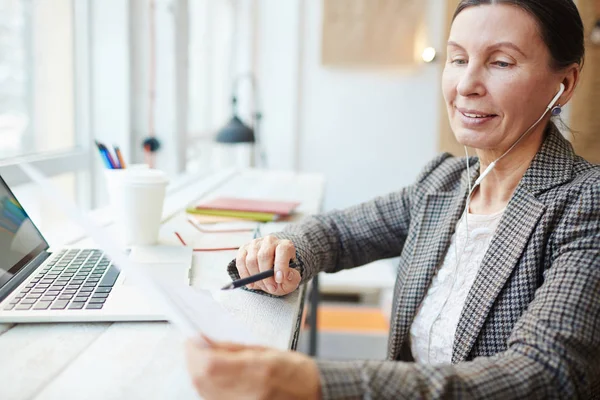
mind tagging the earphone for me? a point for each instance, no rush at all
(555, 110)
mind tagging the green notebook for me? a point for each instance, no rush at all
(250, 215)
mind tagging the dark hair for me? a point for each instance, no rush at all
(559, 23)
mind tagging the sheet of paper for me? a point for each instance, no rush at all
(164, 262)
(193, 311)
(161, 254)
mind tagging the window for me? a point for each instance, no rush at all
(36, 77)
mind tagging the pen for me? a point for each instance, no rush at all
(120, 158)
(111, 160)
(105, 155)
(251, 279)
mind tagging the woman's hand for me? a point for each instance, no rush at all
(232, 371)
(267, 253)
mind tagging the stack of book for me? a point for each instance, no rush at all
(224, 209)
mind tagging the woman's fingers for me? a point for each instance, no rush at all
(266, 258)
(269, 253)
(287, 278)
(252, 261)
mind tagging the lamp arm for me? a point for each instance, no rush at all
(256, 98)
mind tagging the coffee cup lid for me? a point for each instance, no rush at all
(139, 175)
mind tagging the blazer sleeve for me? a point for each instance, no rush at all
(349, 238)
(553, 351)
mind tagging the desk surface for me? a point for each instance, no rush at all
(146, 360)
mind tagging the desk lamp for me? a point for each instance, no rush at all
(236, 131)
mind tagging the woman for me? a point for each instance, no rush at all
(500, 301)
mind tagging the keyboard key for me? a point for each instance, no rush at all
(99, 300)
(31, 285)
(42, 286)
(86, 289)
(77, 282)
(22, 307)
(65, 297)
(35, 280)
(33, 296)
(53, 292)
(76, 306)
(94, 276)
(15, 301)
(94, 306)
(9, 307)
(57, 286)
(38, 291)
(93, 280)
(80, 299)
(110, 278)
(28, 301)
(103, 290)
(69, 291)
(48, 298)
(25, 291)
(59, 305)
(73, 287)
(100, 295)
(47, 280)
(19, 296)
(42, 305)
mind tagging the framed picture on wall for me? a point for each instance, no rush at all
(371, 32)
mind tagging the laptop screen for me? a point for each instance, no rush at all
(20, 241)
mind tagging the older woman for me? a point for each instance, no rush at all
(498, 287)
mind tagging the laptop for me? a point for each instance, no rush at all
(41, 284)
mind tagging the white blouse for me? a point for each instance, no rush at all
(432, 331)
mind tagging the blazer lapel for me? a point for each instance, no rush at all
(552, 166)
(510, 239)
(438, 220)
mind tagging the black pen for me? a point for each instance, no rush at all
(251, 279)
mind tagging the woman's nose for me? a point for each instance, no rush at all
(470, 82)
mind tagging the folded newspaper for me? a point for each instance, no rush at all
(193, 311)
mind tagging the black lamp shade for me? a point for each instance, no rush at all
(236, 132)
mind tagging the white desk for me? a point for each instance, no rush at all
(146, 360)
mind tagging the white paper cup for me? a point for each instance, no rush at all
(136, 198)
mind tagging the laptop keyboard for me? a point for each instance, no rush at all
(72, 280)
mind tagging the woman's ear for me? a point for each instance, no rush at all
(571, 77)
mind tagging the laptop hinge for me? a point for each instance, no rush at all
(20, 276)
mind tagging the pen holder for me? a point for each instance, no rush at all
(136, 197)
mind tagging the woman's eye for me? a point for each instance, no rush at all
(502, 64)
(459, 62)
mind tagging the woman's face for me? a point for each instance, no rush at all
(497, 81)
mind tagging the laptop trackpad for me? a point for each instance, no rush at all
(166, 262)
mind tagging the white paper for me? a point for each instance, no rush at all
(161, 254)
(193, 311)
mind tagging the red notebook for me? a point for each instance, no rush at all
(251, 205)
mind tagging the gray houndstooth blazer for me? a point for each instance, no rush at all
(530, 327)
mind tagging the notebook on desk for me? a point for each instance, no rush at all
(263, 210)
(41, 284)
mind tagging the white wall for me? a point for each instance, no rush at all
(368, 131)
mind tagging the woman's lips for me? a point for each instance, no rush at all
(474, 118)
